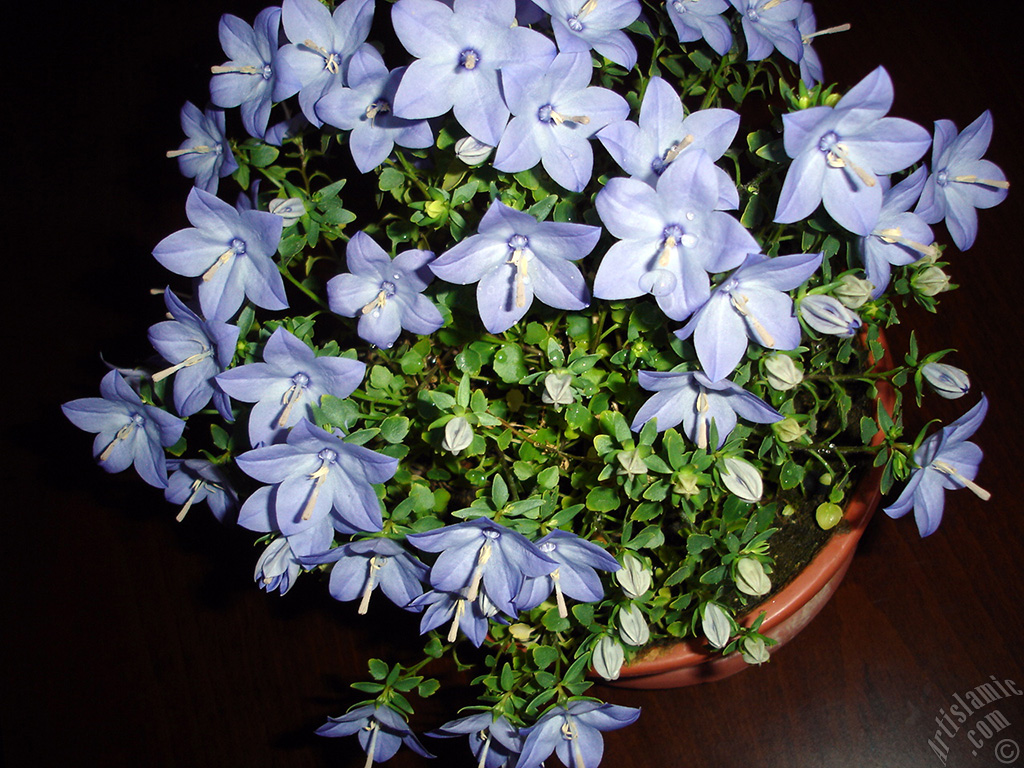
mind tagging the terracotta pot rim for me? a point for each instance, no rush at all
(831, 559)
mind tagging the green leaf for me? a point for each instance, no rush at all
(544, 656)
(264, 155)
(603, 500)
(698, 542)
(428, 687)
(378, 669)
(390, 178)
(510, 363)
(499, 491)
(548, 478)
(394, 428)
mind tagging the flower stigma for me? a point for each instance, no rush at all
(197, 485)
(702, 407)
(374, 728)
(547, 114)
(198, 357)
(478, 571)
(837, 156)
(520, 260)
(291, 396)
(198, 149)
(387, 291)
(739, 303)
(237, 249)
(571, 733)
(949, 471)
(327, 457)
(469, 59)
(895, 235)
(331, 62)
(122, 434)
(376, 563)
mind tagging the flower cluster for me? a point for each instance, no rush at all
(536, 336)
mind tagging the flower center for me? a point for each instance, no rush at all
(837, 156)
(469, 58)
(547, 114)
(332, 62)
(575, 21)
(135, 421)
(520, 259)
(660, 163)
(378, 107)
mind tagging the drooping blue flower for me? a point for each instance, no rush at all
(493, 740)
(128, 431)
(289, 380)
(899, 237)
(231, 250)
(826, 314)
(198, 350)
(322, 43)
(839, 153)
(247, 80)
(314, 476)
(362, 566)
(278, 567)
(576, 574)
(385, 294)
(811, 71)
(769, 24)
(364, 108)
(197, 480)
(961, 181)
(473, 617)
(694, 19)
(573, 732)
(381, 731)
(482, 552)
(582, 25)
(555, 113)
(670, 236)
(646, 150)
(515, 258)
(459, 52)
(946, 460)
(692, 399)
(205, 155)
(750, 303)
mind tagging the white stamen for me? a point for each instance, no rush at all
(559, 597)
(831, 30)
(478, 571)
(522, 274)
(197, 486)
(122, 434)
(460, 608)
(837, 158)
(377, 303)
(771, 4)
(186, 363)
(558, 118)
(289, 399)
(895, 235)
(220, 262)
(318, 478)
(702, 423)
(670, 243)
(588, 6)
(984, 182)
(679, 146)
(248, 69)
(484, 750)
(946, 469)
(740, 304)
(332, 64)
(570, 732)
(374, 729)
(371, 582)
(378, 107)
(198, 149)
(469, 60)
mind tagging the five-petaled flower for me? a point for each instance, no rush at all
(197, 480)
(362, 566)
(513, 258)
(576, 574)
(946, 460)
(128, 431)
(380, 729)
(247, 80)
(290, 379)
(573, 732)
(580, 25)
(694, 19)
(385, 294)
(493, 740)
(205, 155)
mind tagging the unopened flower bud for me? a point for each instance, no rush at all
(754, 650)
(435, 209)
(291, 210)
(685, 483)
(782, 372)
(608, 657)
(930, 281)
(557, 389)
(788, 429)
(751, 578)
(716, 625)
(948, 381)
(472, 152)
(742, 479)
(632, 463)
(633, 627)
(634, 577)
(853, 291)
(457, 435)
(826, 314)
(277, 567)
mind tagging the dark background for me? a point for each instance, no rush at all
(130, 640)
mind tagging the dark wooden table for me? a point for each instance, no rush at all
(130, 640)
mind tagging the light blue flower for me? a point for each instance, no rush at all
(198, 350)
(555, 113)
(961, 181)
(945, 461)
(769, 24)
(646, 150)
(459, 52)
(515, 258)
(582, 25)
(576, 574)
(749, 303)
(128, 431)
(692, 399)
(381, 731)
(840, 152)
(205, 155)
(471, 616)
(694, 19)
(198, 480)
(290, 379)
(385, 294)
(494, 742)
(321, 45)
(573, 732)
(670, 236)
(231, 250)
(946, 381)
(247, 80)
(362, 566)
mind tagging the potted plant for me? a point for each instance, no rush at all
(554, 333)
